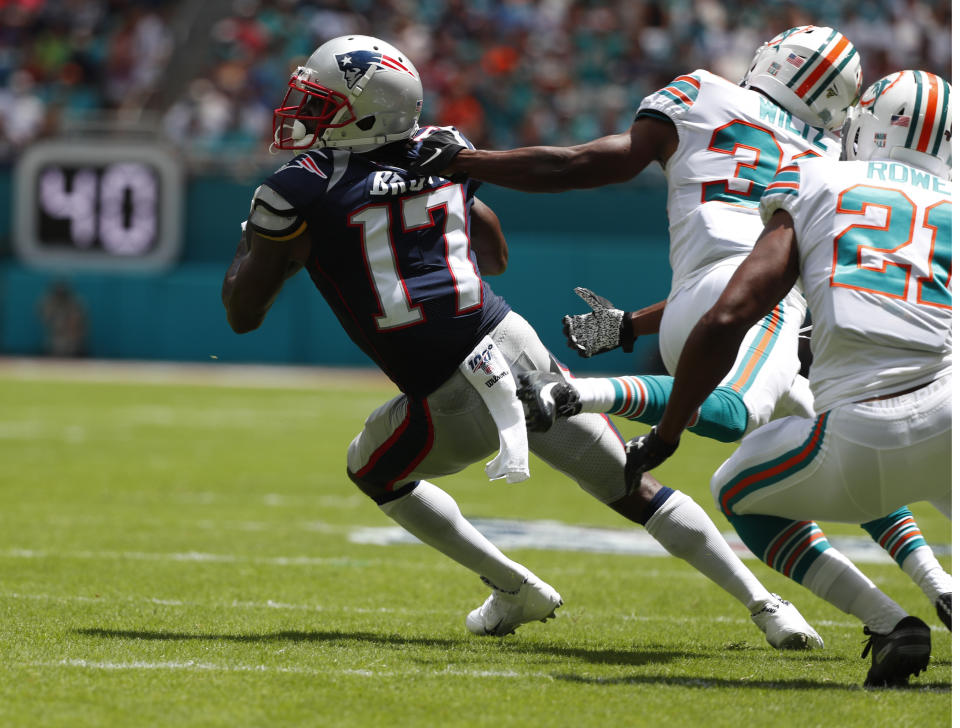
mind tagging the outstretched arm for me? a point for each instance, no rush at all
(607, 327)
(762, 280)
(604, 161)
(646, 320)
(256, 275)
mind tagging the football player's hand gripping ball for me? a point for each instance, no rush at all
(605, 328)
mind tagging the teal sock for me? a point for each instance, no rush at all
(897, 533)
(900, 537)
(800, 551)
(789, 547)
(723, 416)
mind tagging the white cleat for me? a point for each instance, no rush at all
(785, 628)
(503, 612)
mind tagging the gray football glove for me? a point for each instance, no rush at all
(605, 328)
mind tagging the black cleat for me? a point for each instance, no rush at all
(945, 609)
(545, 396)
(903, 652)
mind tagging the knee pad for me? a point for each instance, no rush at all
(378, 492)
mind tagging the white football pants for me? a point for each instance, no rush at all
(854, 463)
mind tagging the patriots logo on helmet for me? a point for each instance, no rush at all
(354, 65)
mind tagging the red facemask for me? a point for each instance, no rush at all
(314, 107)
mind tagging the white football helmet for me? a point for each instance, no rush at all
(905, 116)
(355, 92)
(813, 72)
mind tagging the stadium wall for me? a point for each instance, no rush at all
(613, 241)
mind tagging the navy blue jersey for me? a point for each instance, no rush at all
(390, 252)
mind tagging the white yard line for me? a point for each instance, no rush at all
(187, 556)
(214, 373)
(269, 604)
(207, 524)
(198, 666)
(273, 500)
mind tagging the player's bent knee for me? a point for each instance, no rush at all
(380, 493)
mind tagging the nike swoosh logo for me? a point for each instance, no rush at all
(429, 159)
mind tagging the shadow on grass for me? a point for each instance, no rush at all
(741, 684)
(595, 656)
(633, 657)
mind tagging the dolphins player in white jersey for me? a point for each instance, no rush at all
(870, 240)
(720, 145)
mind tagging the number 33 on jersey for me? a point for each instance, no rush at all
(732, 141)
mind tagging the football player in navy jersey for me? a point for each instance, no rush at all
(399, 258)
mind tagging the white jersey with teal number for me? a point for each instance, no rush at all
(875, 261)
(732, 141)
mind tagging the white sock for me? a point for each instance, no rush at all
(431, 515)
(596, 393)
(922, 566)
(833, 577)
(685, 530)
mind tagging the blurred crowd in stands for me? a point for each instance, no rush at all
(507, 72)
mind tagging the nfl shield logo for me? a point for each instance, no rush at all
(481, 362)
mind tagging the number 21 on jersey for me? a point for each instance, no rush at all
(906, 254)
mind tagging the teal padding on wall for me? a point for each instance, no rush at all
(557, 242)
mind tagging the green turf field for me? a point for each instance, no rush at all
(186, 555)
